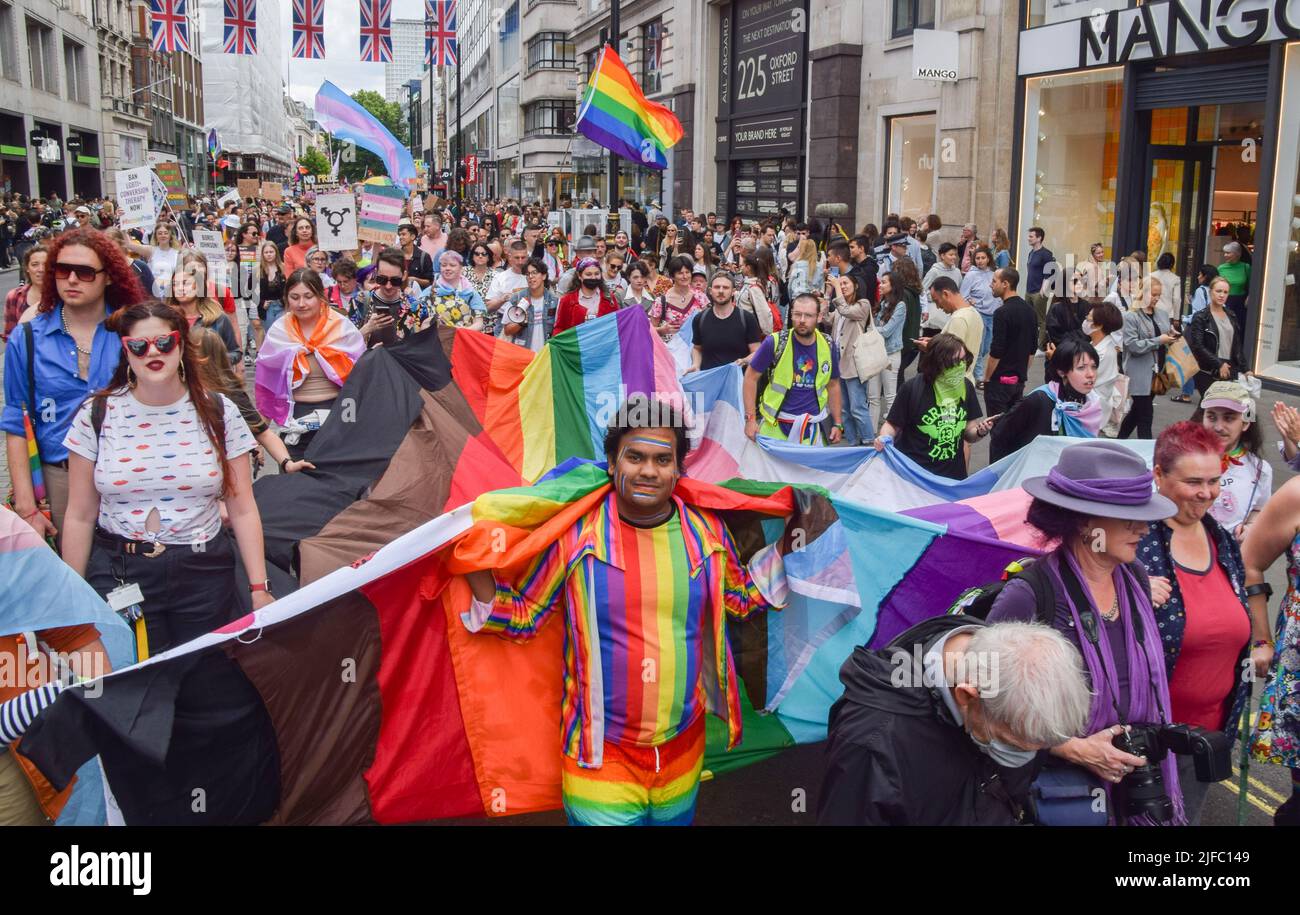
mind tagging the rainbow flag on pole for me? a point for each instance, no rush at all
(615, 114)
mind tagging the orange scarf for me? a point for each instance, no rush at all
(324, 342)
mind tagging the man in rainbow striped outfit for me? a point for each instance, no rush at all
(646, 582)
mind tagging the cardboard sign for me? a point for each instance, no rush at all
(336, 222)
(229, 197)
(210, 244)
(248, 187)
(170, 174)
(273, 190)
(417, 203)
(380, 212)
(135, 198)
(326, 186)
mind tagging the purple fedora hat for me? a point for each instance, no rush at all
(1102, 480)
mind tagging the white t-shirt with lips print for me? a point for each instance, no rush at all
(149, 458)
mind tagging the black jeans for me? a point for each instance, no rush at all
(1139, 417)
(1000, 398)
(222, 763)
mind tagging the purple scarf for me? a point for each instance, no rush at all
(1146, 667)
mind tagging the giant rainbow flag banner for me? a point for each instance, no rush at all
(344, 118)
(454, 462)
(617, 115)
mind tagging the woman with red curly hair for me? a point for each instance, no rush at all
(53, 362)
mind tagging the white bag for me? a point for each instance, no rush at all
(869, 354)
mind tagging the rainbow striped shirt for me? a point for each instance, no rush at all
(648, 623)
(614, 582)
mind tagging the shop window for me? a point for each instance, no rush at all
(41, 57)
(652, 56)
(1071, 161)
(551, 51)
(910, 15)
(910, 167)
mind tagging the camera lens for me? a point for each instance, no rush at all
(1142, 791)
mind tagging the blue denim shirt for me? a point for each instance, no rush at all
(59, 390)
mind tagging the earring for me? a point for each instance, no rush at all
(182, 369)
(130, 378)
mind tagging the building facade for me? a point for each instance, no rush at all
(154, 74)
(125, 119)
(408, 58)
(470, 110)
(244, 99)
(655, 43)
(1169, 128)
(188, 112)
(547, 85)
(50, 89)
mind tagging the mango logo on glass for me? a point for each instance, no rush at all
(103, 868)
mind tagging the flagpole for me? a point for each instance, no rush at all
(614, 24)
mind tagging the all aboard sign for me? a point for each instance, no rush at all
(1156, 30)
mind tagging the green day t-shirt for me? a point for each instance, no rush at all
(930, 434)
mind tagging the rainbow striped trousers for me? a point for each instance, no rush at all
(638, 786)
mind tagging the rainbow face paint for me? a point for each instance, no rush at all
(625, 483)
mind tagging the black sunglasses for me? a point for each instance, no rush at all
(84, 272)
(388, 281)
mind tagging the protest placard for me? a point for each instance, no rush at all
(273, 190)
(169, 173)
(210, 245)
(381, 211)
(135, 198)
(248, 187)
(336, 222)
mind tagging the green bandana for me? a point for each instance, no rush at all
(950, 386)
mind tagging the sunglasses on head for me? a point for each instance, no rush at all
(164, 344)
(387, 280)
(84, 272)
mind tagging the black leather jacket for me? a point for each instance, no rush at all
(1202, 336)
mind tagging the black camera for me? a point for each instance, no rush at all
(1142, 791)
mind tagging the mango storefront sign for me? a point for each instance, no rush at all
(1156, 30)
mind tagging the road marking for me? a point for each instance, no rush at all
(1231, 786)
(1259, 786)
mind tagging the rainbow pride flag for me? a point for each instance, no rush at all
(615, 114)
(572, 388)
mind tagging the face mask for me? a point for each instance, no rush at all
(1003, 753)
(589, 283)
(1087, 328)
(950, 385)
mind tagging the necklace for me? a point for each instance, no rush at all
(1113, 613)
(67, 330)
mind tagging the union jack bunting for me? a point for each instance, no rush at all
(377, 31)
(169, 25)
(440, 32)
(241, 27)
(309, 28)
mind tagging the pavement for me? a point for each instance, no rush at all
(783, 790)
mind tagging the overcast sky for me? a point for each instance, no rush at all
(342, 64)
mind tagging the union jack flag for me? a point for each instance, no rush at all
(309, 28)
(241, 27)
(169, 25)
(440, 32)
(377, 31)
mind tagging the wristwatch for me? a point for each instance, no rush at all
(255, 586)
